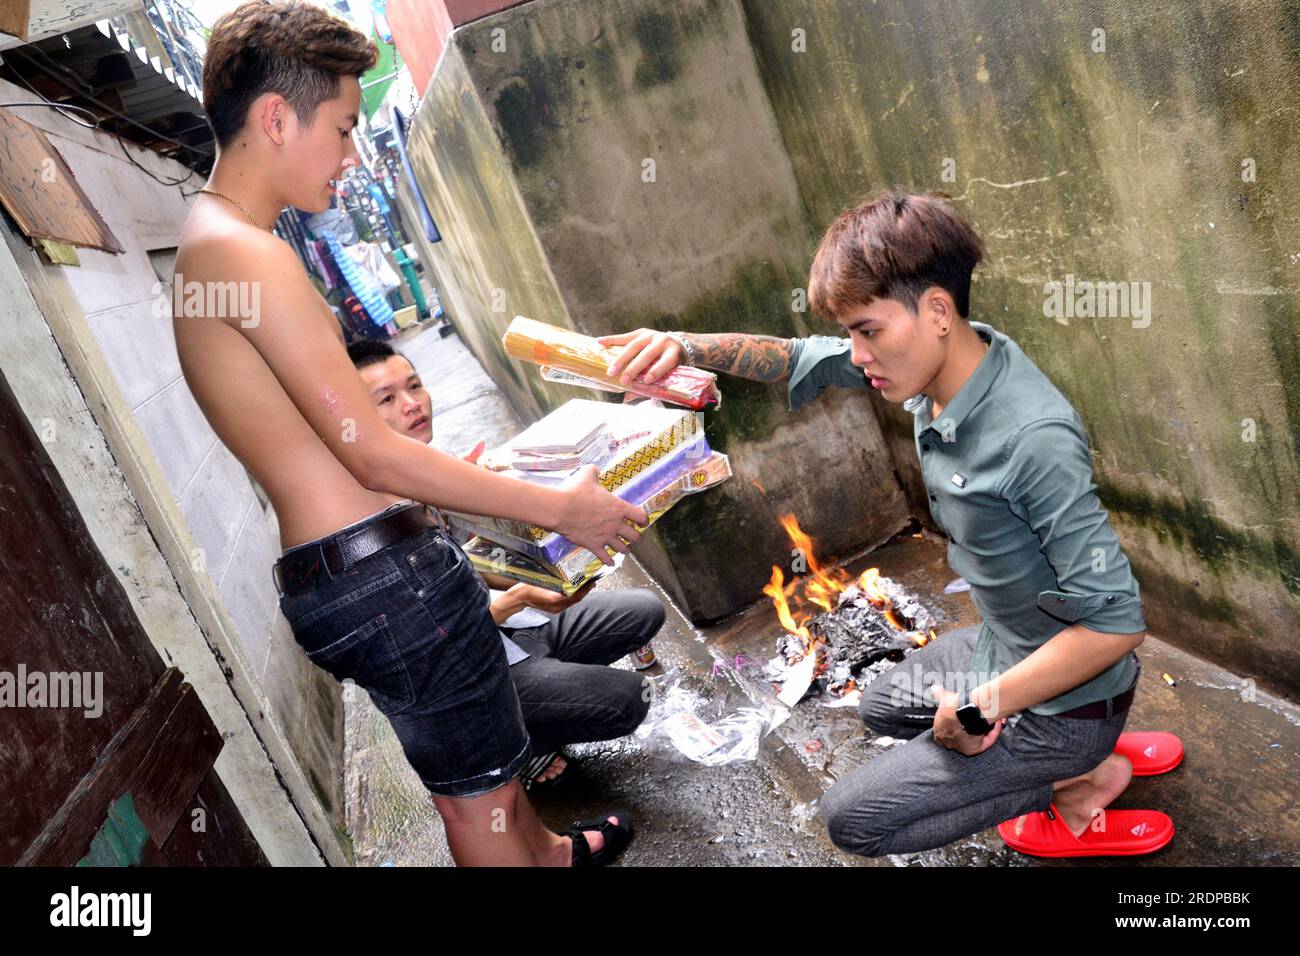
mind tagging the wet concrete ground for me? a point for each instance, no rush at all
(1234, 799)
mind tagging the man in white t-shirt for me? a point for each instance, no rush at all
(558, 647)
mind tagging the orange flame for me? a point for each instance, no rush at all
(821, 589)
(780, 596)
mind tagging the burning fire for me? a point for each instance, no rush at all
(820, 589)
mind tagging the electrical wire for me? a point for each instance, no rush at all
(121, 140)
(82, 90)
(189, 173)
(59, 108)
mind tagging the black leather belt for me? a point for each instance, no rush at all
(1101, 709)
(305, 567)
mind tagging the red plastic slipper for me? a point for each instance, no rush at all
(1150, 752)
(1126, 833)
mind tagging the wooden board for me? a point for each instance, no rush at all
(37, 19)
(64, 767)
(160, 756)
(40, 192)
(15, 17)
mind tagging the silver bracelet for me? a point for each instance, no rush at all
(687, 348)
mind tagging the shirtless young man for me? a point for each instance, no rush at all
(371, 589)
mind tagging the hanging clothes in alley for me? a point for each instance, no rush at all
(378, 196)
(370, 257)
(323, 263)
(364, 285)
(333, 220)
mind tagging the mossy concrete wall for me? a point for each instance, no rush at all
(1131, 162)
(1118, 156)
(606, 166)
(489, 266)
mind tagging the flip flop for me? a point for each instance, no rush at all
(617, 837)
(537, 766)
(1150, 752)
(1127, 833)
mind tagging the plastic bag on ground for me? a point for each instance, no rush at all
(714, 726)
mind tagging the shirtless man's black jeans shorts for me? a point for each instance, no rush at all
(410, 624)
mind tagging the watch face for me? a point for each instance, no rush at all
(973, 721)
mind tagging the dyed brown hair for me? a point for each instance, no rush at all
(894, 246)
(288, 47)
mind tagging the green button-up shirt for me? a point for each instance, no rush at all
(1009, 477)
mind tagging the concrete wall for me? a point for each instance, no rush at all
(421, 27)
(534, 158)
(117, 299)
(765, 120)
(494, 267)
(1118, 165)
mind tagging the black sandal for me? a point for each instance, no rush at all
(617, 837)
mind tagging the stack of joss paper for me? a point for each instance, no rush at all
(646, 454)
(573, 358)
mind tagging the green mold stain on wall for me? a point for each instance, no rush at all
(660, 60)
(692, 530)
(659, 37)
(322, 792)
(1190, 525)
(1170, 591)
(528, 105)
(756, 300)
(1281, 329)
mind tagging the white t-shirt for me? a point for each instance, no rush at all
(528, 617)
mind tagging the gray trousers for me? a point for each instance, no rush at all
(567, 692)
(919, 795)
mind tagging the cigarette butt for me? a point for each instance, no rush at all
(1169, 680)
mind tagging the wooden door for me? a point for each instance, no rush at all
(106, 754)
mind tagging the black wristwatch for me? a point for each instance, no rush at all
(972, 721)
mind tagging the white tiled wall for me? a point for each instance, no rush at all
(120, 295)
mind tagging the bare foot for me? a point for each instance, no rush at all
(1078, 798)
(556, 767)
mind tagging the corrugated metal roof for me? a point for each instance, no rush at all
(105, 70)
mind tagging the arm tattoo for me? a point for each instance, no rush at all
(763, 358)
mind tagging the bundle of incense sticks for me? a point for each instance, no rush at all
(586, 358)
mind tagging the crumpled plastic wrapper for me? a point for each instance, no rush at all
(714, 726)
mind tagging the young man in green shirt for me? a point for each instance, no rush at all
(1023, 713)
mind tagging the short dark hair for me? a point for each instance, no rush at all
(288, 47)
(894, 246)
(365, 352)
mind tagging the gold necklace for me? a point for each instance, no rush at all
(213, 192)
